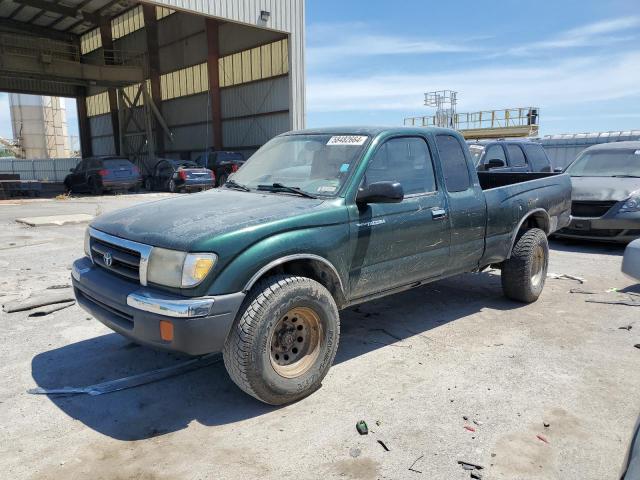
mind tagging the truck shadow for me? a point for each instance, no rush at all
(586, 246)
(208, 395)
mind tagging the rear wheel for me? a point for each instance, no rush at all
(172, 186)
(222, 179)
(94, 187)
(148, 184)
(67, 188)
(525, 272)
(284, 340)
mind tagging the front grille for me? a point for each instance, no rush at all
(124, 262)
(591, 209)
(124, 319)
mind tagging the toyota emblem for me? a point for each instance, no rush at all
(107, 258)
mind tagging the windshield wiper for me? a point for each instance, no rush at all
(237, 186)
(626, 176)
(285, 188)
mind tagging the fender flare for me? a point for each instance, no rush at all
(288, 258)
(536, 211)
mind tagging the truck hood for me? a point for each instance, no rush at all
(603, 188)
(178, 223)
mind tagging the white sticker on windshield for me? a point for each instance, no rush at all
(326, 189)
(347, 140)
(637, 152)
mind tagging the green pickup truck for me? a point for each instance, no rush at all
(314, 222)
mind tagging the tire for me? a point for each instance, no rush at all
(222, 179)
(172, 186)
(148, 184)
(524, 274)
(94, 187)
(266, 332)
(67, 188)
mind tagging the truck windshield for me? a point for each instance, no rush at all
(315, 164)
(612, 163)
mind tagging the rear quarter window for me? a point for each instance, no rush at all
(454, 163)
(516, 156)
(537, 158)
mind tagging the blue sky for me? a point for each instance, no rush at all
(369, 62)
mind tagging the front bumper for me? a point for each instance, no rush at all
(613, 229)
(200, 325)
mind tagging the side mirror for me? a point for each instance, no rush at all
(380, 192)
(495, 163)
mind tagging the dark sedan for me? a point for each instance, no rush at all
(222, 163)
(98, 174)
(605, 203)
(179, 176)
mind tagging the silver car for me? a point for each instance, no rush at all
(605, 203)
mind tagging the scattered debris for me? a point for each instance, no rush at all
(134, 380)
(55, 220)
(542, 438)
(478, 422)
(59, 287)
(354, 452)
(378, 423)
(637, 345)
(546, 424)
(389, 344)
(37, 301)
(630, 302)
(414, 463)
(476, 475)
(471, 429)
(48, 309)
(465, 418)
(565, 276)
(362, 428)
(626, 327)
(383, 445)
(583, 291)
(474, 466)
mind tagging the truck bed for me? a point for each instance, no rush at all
(510, 197)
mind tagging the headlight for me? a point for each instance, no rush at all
(179, 269)
(87, 243)
(632, 204)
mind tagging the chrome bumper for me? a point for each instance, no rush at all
(169, 307)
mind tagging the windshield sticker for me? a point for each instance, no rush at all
(344, 168)
(326, 189)
(637, 152)
(354, 140)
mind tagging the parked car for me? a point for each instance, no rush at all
(605, 203)
(509, 156)
(178, 176)
(222, 163)
(314, 222)
(99, 174)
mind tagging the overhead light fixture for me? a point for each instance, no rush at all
(264, 15)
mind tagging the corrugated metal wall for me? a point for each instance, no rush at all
(563, 149)
(102, 142)
(286, 16)
(52, 170)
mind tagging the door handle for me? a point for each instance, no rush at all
(438, 213)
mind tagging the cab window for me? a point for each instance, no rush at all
(454, 163)
(405, 160)
(516, 156)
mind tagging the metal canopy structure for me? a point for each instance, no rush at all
(170, 78)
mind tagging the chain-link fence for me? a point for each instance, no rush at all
(43, 169)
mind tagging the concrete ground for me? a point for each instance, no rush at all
(411, 365)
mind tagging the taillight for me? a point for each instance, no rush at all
(213, 175)
(103, 172)
(234, 167)
(182, 174)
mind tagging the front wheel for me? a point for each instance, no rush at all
(524, 273)
(94, 187)
(284, 339)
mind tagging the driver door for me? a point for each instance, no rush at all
(397, 244)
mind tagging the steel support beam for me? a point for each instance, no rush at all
(153, 53)
(107, 44)
(23, 28)
(213, 55)
(56, 7)
(84, 128)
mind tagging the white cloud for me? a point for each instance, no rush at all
(564, 82)
(340, 42)
(598, 34)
